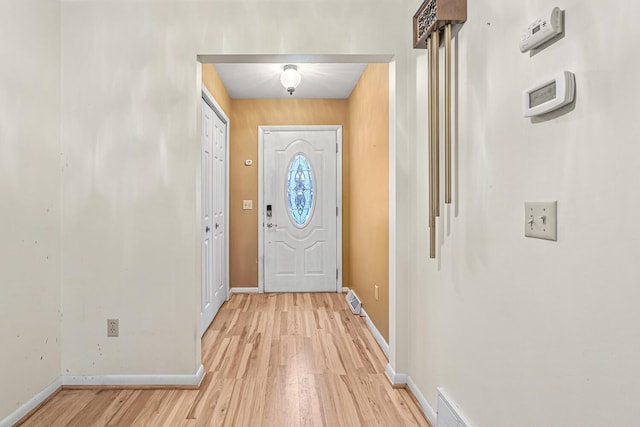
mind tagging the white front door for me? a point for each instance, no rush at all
(300, 221)
(214, 136)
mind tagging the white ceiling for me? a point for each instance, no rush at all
(262, 80)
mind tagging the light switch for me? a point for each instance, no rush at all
(540, 220)
(247, 204)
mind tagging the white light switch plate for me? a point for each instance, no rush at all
(247, 204)
(541, 220)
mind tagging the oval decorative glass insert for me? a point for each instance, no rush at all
(300, 190)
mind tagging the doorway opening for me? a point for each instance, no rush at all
(368, 193)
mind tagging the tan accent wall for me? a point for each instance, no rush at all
(369, 192)
(246, 116)
(216, 88)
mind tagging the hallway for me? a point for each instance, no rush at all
(271, 360)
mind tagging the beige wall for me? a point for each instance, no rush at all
(246, 116)
(520, 331)
(369, 192)
(216, 88)
(30, 170)
(131, 231)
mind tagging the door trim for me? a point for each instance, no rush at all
(261, 131)
(209, 99)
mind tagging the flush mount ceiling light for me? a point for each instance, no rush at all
(290, 78)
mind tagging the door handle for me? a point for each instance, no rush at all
(206, 230)
(271, 225)
(217, 225)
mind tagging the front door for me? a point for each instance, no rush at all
(300, 215)
(214, 136)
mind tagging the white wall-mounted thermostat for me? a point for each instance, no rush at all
(549, 94)
(248, 162)
(541, 30)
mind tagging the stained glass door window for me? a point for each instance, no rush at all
(300, 190)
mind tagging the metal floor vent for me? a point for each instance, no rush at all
(354, 302)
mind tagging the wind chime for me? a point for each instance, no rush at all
(432, 18)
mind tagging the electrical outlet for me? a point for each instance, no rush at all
(113, 327)
(377, 292)
(247, 204)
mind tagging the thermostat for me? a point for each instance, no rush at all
(541, 30)
(549, 95)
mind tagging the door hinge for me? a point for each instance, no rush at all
(336, 211)
(336, 274)
(336, 147)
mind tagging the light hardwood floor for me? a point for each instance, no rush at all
(271, 360)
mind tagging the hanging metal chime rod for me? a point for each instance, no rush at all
(433, 43)
(432, 18)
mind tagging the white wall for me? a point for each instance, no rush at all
(525, 332)
(30, 200)
(131, 147)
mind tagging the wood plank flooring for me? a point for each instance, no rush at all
(271, 360)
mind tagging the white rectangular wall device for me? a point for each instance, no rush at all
(542, 29)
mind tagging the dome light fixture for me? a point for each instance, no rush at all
(290, 78)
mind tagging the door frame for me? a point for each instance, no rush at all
(261, 132)
(209, 99)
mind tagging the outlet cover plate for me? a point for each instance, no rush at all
(113, 327)
(541, 220)
(247, 204)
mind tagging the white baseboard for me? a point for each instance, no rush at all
(427, 410)
(32, 404)
(243, 290)
(394, 378)
(376, 334)
(404, 379)
(115, 380)
(134, 380)
(453, 407)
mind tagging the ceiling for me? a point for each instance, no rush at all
(262, 80)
